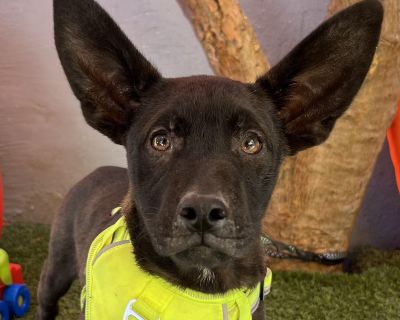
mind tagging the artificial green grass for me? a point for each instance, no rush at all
(26, 244)
(374, 294)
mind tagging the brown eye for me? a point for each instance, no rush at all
(251, 144)
(161, 142)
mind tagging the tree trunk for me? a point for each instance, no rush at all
(227, 37)
(319, 192)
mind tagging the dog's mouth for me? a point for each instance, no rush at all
(207, 250)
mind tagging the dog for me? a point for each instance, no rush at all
(203, 152)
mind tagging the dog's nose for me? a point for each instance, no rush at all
(202, 213)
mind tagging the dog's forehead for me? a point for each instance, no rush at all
(206, 99)
(200, 92)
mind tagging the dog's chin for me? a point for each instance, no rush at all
(210, 253)
(200, 256)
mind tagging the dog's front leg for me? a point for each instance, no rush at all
(82, 315)
(259, 314)
(55, 281)
(59, 270)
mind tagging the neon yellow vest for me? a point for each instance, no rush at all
(117, 288)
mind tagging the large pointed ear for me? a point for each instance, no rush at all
(106, 72)
(316, 82)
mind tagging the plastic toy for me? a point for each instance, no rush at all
(14, 294)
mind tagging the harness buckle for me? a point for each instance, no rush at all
(129, 312)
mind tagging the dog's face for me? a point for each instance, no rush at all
(204, 152)
(203, 161)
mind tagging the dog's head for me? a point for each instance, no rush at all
(204, 152)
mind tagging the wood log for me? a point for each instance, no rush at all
(227, 37)
(319, 192)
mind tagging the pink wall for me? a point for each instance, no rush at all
(45, 146)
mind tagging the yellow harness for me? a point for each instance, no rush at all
(117, 288)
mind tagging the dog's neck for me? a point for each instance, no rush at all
(238, 273)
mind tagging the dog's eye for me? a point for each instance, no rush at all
(251, 144)
(161, 142)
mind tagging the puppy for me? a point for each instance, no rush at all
(203, 156)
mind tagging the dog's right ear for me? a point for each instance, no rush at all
(106, 72)
(316, 82)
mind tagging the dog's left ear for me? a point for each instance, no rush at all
(105, 70)
(316, 82)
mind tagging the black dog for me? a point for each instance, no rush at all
(203, 152)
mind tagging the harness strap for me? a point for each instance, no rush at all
(150, 306)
